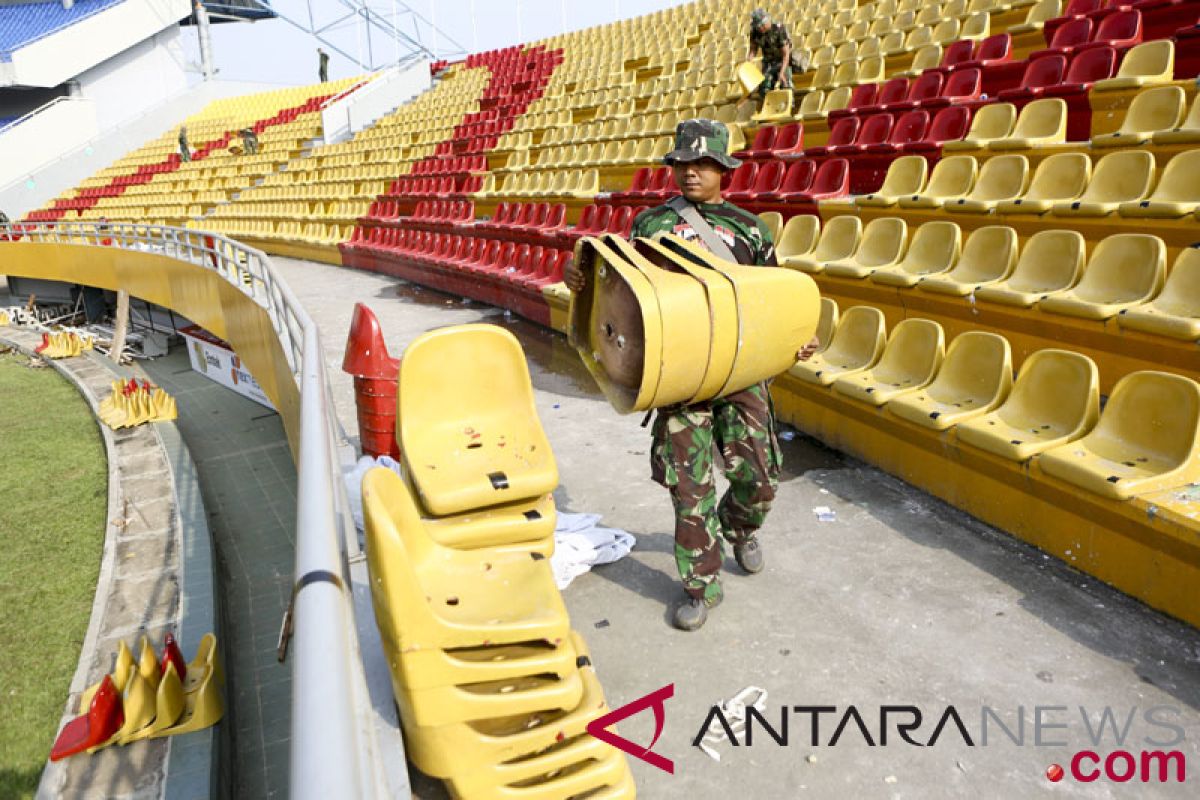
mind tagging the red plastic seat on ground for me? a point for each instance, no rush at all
(1040, 73)
(875, 130)
(861, 97)
(843, 132)
(962, 86)
(910, 127)
(950, 124)
(832, 180)
(768, 179)
(796, 181)
(1069, 37)
(1121, 29)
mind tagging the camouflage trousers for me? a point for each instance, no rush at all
(742, 427)
(771, 78)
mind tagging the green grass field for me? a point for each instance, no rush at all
(53, 501)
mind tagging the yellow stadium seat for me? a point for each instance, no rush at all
(823, 56)
(1157, 109)
(838, 241)
(988, 256)
(905, 178)
(975, 377)
(1060, 178)
(882, 245)
(1050, 261)
(799, 237)
(1040, 123)
(919, 37)
(1001, 178)
(1149, 62)
(1125, 269)
(952, 177)
(1177, 193)
(927, 57)
(947, 31)
(428, 597)
(857, 343)
(869, 70)
(893, 42)
(934, 249)
(910, 360)
(528, 525)
(774, 222)
(1145, 441)
(471, 439)
(523, 694)
(1187, 132)
(810, 105)
(1176, 310)
(1123, 176)
(827, 323)
(1055, 400)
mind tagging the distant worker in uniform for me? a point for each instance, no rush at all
(323, 70)
(741, 425)
(772, 41)
(185, 152)
(249, 141)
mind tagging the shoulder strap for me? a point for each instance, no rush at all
(715, 244)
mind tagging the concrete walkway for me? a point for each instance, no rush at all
(901, 600)
(248, 483)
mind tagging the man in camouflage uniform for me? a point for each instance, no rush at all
(772, 40)
(741, 425)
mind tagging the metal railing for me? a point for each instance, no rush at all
(334, 752)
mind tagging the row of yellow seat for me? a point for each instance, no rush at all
(1125, 277)
(1145, 440)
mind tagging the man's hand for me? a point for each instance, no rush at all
(573, 277)
(806, 352)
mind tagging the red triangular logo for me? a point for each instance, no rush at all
(656, 699)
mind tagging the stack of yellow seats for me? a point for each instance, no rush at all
(495, 691)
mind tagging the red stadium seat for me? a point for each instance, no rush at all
(767, 179)
(955, 54)
(1040, 73)
(963, 85)
(1086, 68)
(621, 222)
(763, 142)
(875, 130)
(742, 179)
(927, 86)
(893, 91)
(789, 140)
(1069, 37)
(949, 125)
(1122, 30)
(862, 96)
(796, 181)
(843, 132)
(993, 50)
(832, 180)
(556, 219)
(909, 128)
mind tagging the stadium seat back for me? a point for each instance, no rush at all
(909, 361)
(1054, 400)
(799, 236)
(975, 377)
(1145, 440)
(857, 343)
(1124, 268)
(840, 237)
(827, 322)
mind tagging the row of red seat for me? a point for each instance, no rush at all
(440, 188)
(450, 165)
(1160, 18)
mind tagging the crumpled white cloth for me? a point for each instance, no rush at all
(354, 478)
(579, 544)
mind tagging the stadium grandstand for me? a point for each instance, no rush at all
(987, 522)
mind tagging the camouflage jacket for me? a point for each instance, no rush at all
(745, 234)
(770, 43)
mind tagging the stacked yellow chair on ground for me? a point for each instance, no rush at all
(495, 690)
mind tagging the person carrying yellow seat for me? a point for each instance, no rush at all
(740, 425)
(771, 39)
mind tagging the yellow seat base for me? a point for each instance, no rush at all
(1149, 318)
(446, 705)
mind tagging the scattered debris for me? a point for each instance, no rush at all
(825, 514)
(811, 758)
(890, 779)
(734, 711)
(787, 434)
(602, 624)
